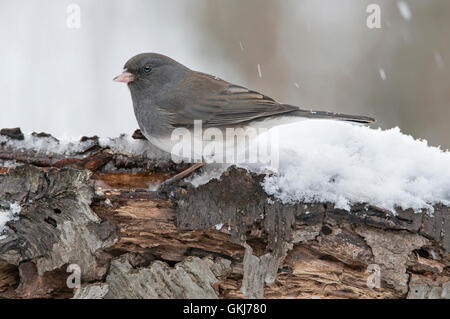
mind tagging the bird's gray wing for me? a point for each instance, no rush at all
(217, 103)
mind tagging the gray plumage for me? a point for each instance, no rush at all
(167, 95)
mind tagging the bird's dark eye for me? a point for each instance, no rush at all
(147, 69)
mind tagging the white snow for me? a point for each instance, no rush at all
(67, 145)
(321, 161)
(126, 144)
(47, 145)
(7, 215)
(382, 74)
(341, 163)
(210, 172)
(405, 11)
(330, 161)
(259, 71)
(108, 202)
(8, 164)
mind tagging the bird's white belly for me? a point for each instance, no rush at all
(211, 146)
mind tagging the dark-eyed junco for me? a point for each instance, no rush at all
(167, 95)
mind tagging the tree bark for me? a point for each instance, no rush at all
(96, 212)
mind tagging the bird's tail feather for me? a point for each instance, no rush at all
(310, 114)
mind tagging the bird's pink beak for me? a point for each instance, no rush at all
(125, 77)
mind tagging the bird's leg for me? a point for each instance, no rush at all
(183, 174)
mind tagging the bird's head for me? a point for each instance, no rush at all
(152, 72)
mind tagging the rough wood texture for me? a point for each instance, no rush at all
(225, 239)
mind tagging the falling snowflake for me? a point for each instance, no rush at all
(259, 71)
(405, 11)
(241, 45)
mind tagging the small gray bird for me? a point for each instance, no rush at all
(167, 95)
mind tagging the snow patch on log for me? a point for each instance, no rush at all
(47, 144)
(326, 161)
(329, 161)
(127, 145)
(6, 215)
(44, 143)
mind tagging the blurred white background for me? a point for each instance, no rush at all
(312, 53)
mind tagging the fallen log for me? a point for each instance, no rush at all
(98, 213)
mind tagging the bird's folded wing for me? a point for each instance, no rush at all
(218, 103)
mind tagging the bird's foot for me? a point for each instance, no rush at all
(168, 184)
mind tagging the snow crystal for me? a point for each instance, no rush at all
(297, 85)
(7, 215)
(382, 74)
(405, 11)
(241, 45)
(259, 71)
